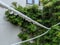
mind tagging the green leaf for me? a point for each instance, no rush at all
(32, 27)
(47, 44)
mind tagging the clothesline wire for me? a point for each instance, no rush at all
(36, 36)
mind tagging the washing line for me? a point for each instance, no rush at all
(36, 36)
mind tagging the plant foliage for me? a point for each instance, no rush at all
(49, 16)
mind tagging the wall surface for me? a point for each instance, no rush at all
(8, 32)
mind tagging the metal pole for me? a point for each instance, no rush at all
(22, 15)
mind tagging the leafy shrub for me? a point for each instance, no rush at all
(49, 16)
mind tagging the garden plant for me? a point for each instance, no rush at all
(48, 16)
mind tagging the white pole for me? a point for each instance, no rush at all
(22, 15)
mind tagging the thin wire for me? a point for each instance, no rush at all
(32, 38)
(56, 24)
(36, 36)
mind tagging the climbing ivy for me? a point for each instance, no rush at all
(49, 16)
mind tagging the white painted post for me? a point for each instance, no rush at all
(22, 15)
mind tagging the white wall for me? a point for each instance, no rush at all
(8, 32)
(21, 2)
